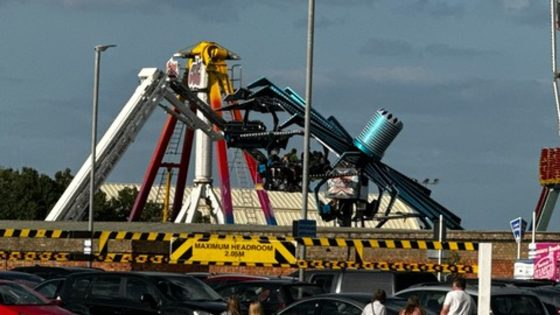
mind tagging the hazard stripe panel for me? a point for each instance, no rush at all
(303, 264)
(105, 236)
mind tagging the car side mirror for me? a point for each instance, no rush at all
(148, 299)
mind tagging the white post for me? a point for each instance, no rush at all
(440, 239)
(484, 277)
(534, 227)
(533, 245)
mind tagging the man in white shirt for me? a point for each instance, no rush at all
(457, 301)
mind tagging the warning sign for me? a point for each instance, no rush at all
(233, 249)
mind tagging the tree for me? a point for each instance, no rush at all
(118, 209)
(28, 195)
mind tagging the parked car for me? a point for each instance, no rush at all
(138, 293)
(50, 288)
(51, 272)
(19, 299)
(201, 275)
(366, 281)
(504, 300)
(274, 294)
(520, 283)
(342, 304)
(218, 280)
(550, 296)
(27, 279)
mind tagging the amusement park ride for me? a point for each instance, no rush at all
(549, 165)
(199, 99)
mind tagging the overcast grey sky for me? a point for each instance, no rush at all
(471, 80)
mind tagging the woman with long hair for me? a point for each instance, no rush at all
(256, 308)
(412, 307)
(233, 306)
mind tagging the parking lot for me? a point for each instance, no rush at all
(66, 290)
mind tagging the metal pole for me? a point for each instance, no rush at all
(440, 239)
(553, 28)
(98, 49)
(308, 100)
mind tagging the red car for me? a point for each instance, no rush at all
(16, 299)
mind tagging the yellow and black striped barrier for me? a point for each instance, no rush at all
(46, 256)
(104, 236)
(211, 248)
(387, 266)
(308, 241)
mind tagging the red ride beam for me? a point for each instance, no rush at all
(153, 167)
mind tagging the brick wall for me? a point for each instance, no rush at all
(504, 247)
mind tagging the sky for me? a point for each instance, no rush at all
(471, 81)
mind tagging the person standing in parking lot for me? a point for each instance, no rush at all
(256, 308)
(233, 306)
(412, 307)
(457, 301)
(376, 307)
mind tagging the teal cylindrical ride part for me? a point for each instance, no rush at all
(379, 132)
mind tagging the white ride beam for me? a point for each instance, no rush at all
(122, 132)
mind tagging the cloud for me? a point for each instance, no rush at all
(386, 47)
(321, 22)
(432, 8)
(445, 50)
(401, 48)
(534, 13)
(398, 74)
(219, 11)
(516, 5)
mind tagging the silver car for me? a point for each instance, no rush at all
(504, 300)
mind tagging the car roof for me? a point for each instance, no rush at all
(281, 281)
(472, 289)
(236, 275)
(357, 296)
(358, 299)
(339, 297)
(41, 267)
(162, 274)
(360, 296)
(515, 282)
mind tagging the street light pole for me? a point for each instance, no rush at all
(98, 50)
(308, 98)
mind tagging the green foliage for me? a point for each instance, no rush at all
(118, 209)
(28, 195)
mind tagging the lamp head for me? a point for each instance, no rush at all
(103, 47)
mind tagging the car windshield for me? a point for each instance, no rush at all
(186, 288)
(14, 294)
(297, 292)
